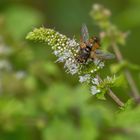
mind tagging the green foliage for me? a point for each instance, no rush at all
(67, 51)
(22, 17)
(38, 99)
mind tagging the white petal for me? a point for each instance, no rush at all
(84, 78)
(95, 81)
(94, 90)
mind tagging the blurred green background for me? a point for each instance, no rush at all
(38, 100)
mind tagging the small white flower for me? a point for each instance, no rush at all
(4, 49)
(72, 43)
(111, 79)
(77, 50)
(94, 90)
(68, 54)
(65, 55)
(84, 78)
(107, 12)
(59, 47)
(95, 70)
(96, 61)
(20, 74)
(101, 65)
(96, 7)
(72, 68)
(92, 71)
(95, 81)
(56, 52)
(61, 59)
(5, 64)
(61, 35)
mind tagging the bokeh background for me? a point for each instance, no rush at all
(38, 100)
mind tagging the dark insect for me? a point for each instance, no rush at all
(89, 48)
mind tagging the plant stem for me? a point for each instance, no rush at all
(115, 98)
(112, 95)
(135, 92)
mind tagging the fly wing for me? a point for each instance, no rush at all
(104, 55)
(85, 34)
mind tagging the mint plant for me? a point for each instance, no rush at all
(67, 50)
(112, 37)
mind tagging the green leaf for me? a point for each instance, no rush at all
(20, 19)
(101, 95)
(133, 66)
(129, 18)
(118, 66)
(120, 81)
(128, 105)
(51, 68)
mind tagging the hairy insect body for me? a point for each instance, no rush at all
(89, 48)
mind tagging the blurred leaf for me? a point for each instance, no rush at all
(121, 81)
(129, 17)
(105, 42)
(128, 118)
(57, 98)
(122, 65)
(118, 66)
(60, 98)
(60, 130)
(133, 66)
(20, 19)
(128, 105)
(37, 101)
(51, 68)
(101, 95)
(30, 83)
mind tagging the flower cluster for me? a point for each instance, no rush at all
(67, 50)
(64, 48)
(101, 16)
